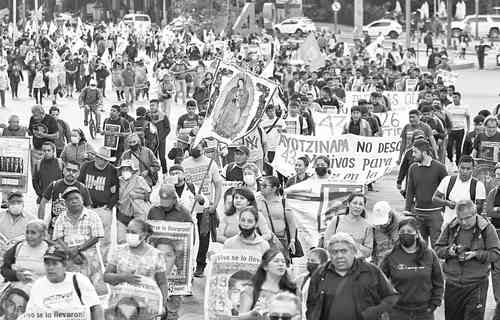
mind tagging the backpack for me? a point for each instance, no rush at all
(472, 190)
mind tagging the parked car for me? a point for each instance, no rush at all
(386, 27)
(488, 26)
(299, 26)
(140, 22)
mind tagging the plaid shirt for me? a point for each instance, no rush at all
(88, 226)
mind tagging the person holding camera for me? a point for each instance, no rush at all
(468, 245)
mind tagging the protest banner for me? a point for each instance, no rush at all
(353, 159)
(237, 103)
(310, 201)
(146, 297)
(229, 272)
(14, 163)
(449, 77)
(175, 241)
(76, 313)
(332, 124)
(398, 100)
(484, 171)
(111, 141)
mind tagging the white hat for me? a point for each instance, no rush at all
(380, 214)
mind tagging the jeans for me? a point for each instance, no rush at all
(455, 139)
(465, 302)
(495, 277)
(161, 155)
(429, 223)
(2, 98)
(201, 259)
(397, 314)
(38, 93)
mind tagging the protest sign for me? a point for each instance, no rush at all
(229, 272)
(146, 297)
(353, 159)
(332, 124)
(310, 202)
(398, 100)
(484, 171)
(14, 163)
(111, 141)
(449, 77)
(175, 241)
(237, 103)
(76, 313)
(226, 185)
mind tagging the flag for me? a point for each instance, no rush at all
(398, 9)
(238, 101)
(310, 201)
(268, 71)
(310, 53)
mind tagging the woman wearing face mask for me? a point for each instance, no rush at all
(315, 258)
(136, 262)
(133, 201)
(270, 279)
(250, 176)
(247, 238)
(79, 150)
(272, 206)
(415, 272)
(353, 223)
(23, 262)
(241, 198)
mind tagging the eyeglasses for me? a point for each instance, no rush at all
(283, 316)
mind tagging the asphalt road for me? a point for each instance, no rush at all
(479, 89)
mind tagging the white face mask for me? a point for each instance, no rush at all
(16, 209)
(75, 140)
(249, 179)
(126, 175)
(133, 240)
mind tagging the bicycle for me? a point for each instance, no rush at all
(92, 123)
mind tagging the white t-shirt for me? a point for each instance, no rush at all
(458, 116)
(62, 295)
(194, 171)
(460, 191)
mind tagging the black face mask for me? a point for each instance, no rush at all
(407, 240)
(134, 147)
(246, 233)
(195, 153)
(311, 267)
(321, 171)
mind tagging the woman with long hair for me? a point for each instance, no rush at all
(79, 150)
(228, 227)
(270, 279)
(354, 223)
(415, 272)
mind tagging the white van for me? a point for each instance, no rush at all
(138, 21)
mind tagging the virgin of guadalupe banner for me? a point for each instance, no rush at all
(14, 163)
(237, 103)
(229, 272)
(353, 159)
(175, 241)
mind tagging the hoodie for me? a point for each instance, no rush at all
(239, 243)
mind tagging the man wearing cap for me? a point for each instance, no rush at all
(385, 223)
(143, 158)
(190, 120)
(409, 130)
(91, 99)
(117, 120)
(185, 190)
(169, 208)
(78, 229)
(233, 171)
(162, 123)
(13, 220)
(423, 179)
(203, 172)
(55, 190)
(61, 290)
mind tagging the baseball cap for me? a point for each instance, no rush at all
(176, 167)
(70, 190)
(54, 253)
(14, 194)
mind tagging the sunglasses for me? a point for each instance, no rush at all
(283, 316)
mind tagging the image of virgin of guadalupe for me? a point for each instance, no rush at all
(233, 107)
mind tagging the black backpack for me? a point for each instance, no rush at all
(472, 190)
